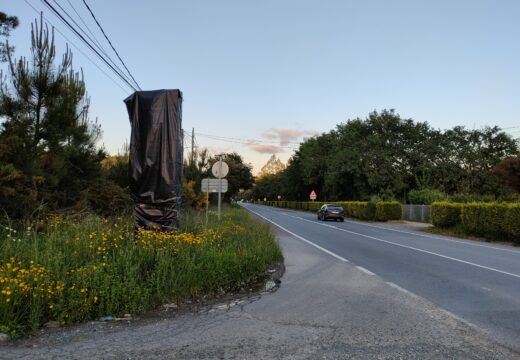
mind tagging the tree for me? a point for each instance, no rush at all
(7, 23)
(239, 177)
(468, 157)
(47, 142)
(387, 156)
(508, 173)
(194, 170)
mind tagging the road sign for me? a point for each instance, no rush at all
(212, 185)
(313, 195)
(220, 169)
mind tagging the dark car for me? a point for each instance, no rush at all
(330, 211)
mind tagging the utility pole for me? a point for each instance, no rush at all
(219, 184)
(192, 145)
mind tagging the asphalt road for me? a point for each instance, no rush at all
(330, 305)
(476, 281)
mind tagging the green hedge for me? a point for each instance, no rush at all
(380, 211)
(390, 210)
(491, 220)
(445, 214)
(511, 221)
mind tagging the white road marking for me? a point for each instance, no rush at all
(301, 238)
(365, 270)
(412, 248)
(395, 286)
(467, 242)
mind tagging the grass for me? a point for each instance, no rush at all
(459, 231)
(80, 269)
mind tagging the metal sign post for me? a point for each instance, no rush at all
(213, 185)
(219, 185)
(219, 169)
(207, 207)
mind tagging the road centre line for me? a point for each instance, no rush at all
(301, 238)
(435, 237)
(412, 248)
(427, 236)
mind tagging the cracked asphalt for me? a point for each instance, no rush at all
(324, 309)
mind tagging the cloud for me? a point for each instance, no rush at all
(279, 140)
(267, 149)
(288, 136)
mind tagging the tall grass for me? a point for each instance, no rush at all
(80, 269)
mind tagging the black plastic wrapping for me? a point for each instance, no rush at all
(155, 166)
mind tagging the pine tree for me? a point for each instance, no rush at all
(47, 142)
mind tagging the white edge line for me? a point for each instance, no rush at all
(395, 286)
(413, 248)
(464, 242)
(365, 270)
(467, 242)
(301, 238)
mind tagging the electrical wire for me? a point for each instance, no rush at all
(247, 141)
(78, 48)
(95, 41)
(86, 26)
(115, 68)
(112, 46)
(118, 73)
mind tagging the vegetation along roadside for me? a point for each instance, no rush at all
(76, 270)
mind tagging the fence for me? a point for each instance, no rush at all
(420, 213)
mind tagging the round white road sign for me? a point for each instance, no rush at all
(220, 169)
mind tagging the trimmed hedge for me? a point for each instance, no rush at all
(491, 220)
(359, 209)
(445, 214)
(390, 210)
(484, 218)
(512, 221)
(380, 211)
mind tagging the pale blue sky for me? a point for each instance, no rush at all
(248, 67)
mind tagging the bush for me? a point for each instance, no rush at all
(445, 214)
(314, 206)
(468, 198)
(107, 198)
(484, 218)
(363, 210)
(492, 220)
(511, 222)
(356, 209)
(425, 196)
(390, 210)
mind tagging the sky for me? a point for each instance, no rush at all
(258, 77)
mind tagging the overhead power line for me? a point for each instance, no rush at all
(84, 23)
(93, 39)
(249, 141)
(112, 46)
(77, 48)
(114, 69)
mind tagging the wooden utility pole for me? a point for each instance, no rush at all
(192, 145)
